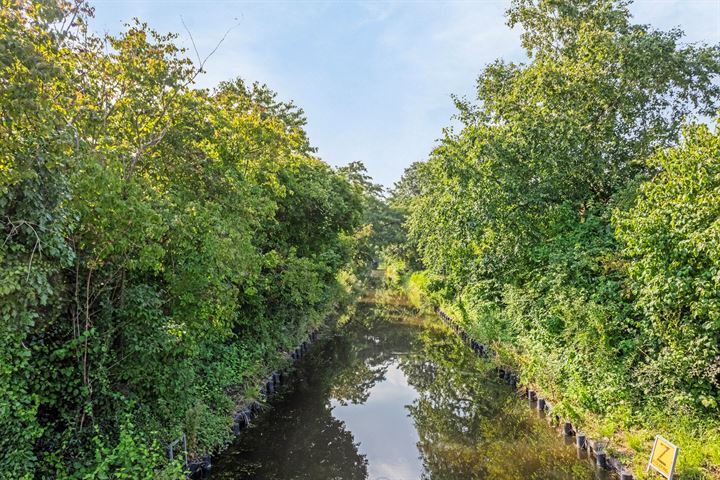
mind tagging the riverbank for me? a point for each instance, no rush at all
(396, 394)
(628, 434)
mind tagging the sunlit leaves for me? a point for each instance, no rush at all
(513, 215)
(672, 236)
(161, 243)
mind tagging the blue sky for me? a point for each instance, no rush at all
(374, 78)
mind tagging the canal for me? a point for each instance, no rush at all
(394, 396)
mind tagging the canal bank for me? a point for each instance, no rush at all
(394, 396)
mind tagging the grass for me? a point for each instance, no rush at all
(698, 439)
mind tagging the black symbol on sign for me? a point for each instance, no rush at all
(659, 458)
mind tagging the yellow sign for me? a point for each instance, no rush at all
(663, 457)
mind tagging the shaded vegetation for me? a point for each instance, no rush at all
(162, 245)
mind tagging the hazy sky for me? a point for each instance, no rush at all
(374, 78)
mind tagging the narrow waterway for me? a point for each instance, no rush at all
(391, 396)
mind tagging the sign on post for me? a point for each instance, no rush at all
(663, 457)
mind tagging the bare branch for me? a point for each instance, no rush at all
(182, 20)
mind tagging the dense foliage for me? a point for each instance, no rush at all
(568, 223)
(163, 245)
(383, 219)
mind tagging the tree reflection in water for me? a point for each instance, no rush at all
(375, 341)
(469, 425)
(299, 438)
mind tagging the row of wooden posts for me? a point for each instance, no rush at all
(594, 448)
(242, 418)
(271, 383)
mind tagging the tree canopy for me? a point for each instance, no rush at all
(573, 223)
(163, 245)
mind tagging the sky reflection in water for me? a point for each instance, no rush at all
(395, 398)
(383, 428)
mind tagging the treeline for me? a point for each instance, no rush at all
(162, 245)
(574, 222)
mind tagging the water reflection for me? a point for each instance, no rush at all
(383, 429)
(397, 398)
(471, 426)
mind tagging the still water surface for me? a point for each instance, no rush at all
(395, 397)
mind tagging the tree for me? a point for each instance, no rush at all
(567, 130)
(672, 238)
(381, 215)
(513, 215)
(163, 245)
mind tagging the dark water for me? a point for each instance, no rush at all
(396, 397)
